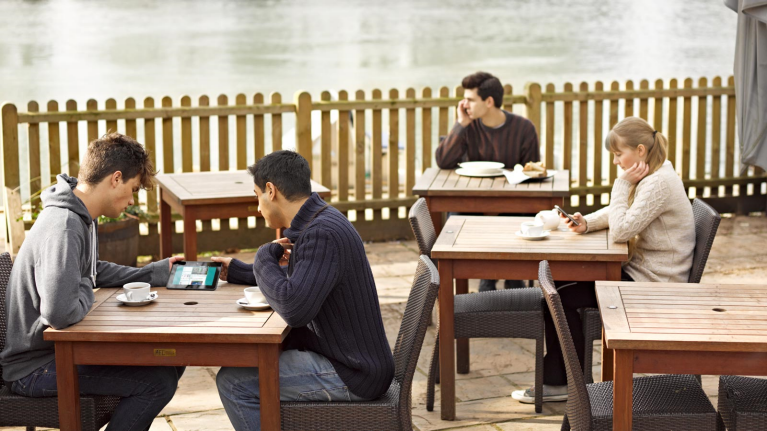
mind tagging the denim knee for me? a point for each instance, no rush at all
(230, 379)
(164, 382)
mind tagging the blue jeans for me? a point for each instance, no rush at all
(144, 390)
(304, 376)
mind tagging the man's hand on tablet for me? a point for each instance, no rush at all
(172, 260)
(224, 266)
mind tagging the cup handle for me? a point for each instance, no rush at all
(129, 296)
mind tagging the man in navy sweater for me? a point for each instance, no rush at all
(337, 348)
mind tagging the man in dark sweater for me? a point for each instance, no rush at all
(485, 132)
(337, 348)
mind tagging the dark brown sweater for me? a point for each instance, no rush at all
(516, 141)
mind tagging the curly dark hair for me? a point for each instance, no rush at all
(486, 85)
(287, 170)
(117, 152)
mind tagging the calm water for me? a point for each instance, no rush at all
(81, 49)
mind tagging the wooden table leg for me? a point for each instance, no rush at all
(436, 217)
(68, 387)
(190, 234)
(462, 344)
(166, 228)
(446, 335)
(623, 386)
(269, 385)
(607, 360)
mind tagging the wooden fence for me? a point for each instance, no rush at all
(347, 155)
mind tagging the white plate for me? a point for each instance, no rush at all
(482, 167)
(242, 302)
(532, 238)
(121, 297)
(470, 173)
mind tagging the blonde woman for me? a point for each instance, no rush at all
(649, 209)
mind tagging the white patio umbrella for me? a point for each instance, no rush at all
(751, 80)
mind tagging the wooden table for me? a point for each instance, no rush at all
(206, 196)
(681, 328)
(180, 328)
(446, 191)
(487, 248)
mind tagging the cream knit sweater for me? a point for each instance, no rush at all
(661, 217)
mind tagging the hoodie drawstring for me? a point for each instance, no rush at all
(94, 257)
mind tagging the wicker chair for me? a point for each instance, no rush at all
(706, 224)
(511, 313)
(665, 402)
(392, 410)
(17, 411)
(743, 402)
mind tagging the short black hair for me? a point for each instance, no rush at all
(487, 85)
(287, 170)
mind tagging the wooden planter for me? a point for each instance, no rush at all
(118, 242)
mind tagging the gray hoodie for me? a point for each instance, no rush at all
(53, 278)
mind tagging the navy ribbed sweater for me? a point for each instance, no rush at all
(328, 297)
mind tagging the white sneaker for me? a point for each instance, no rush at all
(550, 394)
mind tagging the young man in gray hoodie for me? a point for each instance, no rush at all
(54, 275)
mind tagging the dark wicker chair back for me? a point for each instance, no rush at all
(578, 404)
(423, 294)
(5, 274)
(423, 228)
(706, 224)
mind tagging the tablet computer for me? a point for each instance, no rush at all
(194, 275)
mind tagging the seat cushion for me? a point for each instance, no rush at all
(665, 402)
(743, 402)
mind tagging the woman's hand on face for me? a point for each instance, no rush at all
(225, 261)
(635, 173)
(581, 228)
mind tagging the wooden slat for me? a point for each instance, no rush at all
(73, 142)
(325, 144)
(130, 124)
(583, 139)
(276, 99)
(186, 138)
(598, 144)
(150, 145)
(303, 126)
(643, 85)
(204, 137)
(716, 132)
(507, 91)
(242, 139)
(54, 143)
(343, 150)
(410, 166)
(443, 111)
(614, 319)
(167, 139)
(359, 159)
(550, 123)
(111, 105)
(426, 139)
(672, 129)
(658, 108)
(93, 125)
(258, 128)
(629, 107)
(700, 152)
(223, 136)
(376, 157)
(35, 180)
(393, 151)
(729, 161)
(613, 107)
(686, 132)
(567, 150)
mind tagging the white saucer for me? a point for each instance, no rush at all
(242, 302)
(121, 297)
(469, 173)
(532, 238)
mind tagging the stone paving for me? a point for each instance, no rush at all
(498, 366)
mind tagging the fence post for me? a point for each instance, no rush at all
(304, 126)
(14, 226)
(533, 94)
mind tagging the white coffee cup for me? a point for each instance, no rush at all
(532, 228)
(136, 292)
(550, 219)
(254, 296)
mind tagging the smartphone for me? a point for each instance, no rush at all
(561, 211)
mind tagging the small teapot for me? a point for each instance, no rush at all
(550, 219)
